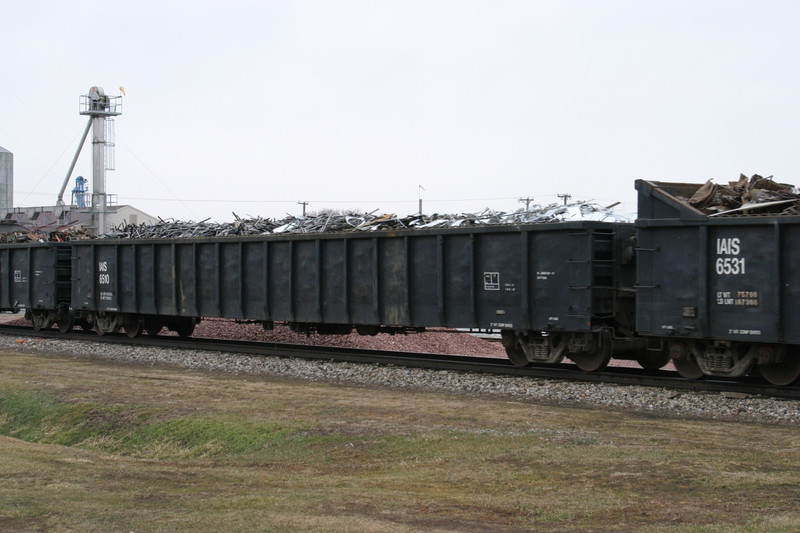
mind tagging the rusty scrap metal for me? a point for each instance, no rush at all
(63, 234)
(746, 196)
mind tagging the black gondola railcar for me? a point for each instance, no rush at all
(554, 290)
(721, 292)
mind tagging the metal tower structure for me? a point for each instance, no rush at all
(100, 108)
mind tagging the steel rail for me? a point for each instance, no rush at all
(563, 372)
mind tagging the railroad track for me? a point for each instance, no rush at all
(612, 375)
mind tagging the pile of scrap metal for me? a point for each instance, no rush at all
(345, 222)
(747, 196)
(65, 234)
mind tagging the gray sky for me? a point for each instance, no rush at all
(252, 106)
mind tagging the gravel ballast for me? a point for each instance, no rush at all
(650, 400)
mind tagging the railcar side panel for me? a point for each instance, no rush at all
(128, 279)
(43, 277)
(423, 288)
(30, 276)
(207, 276)
(393, 281)
(670, 268)
(166, 280)
(83, 278)
(743, 282)
(187, 287)
(560, 280)
(731, 280)
(306, 296)
(231, 280)
(16, 274)
(280, 280)
(539, 277)
(721, 278)
(106, 268)
(500, 267)
(458, 265)
(789, 282)
(144, 256)
(253, 294)
(333, 290)
(361, 281)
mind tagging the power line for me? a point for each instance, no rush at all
(47, 172)
(175, 199)
(353, 201)
(30, 111)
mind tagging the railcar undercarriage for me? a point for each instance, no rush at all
(778, 364)
(590, 351)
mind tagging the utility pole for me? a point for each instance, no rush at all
(527, 201)
(565, 197)
(304, 204)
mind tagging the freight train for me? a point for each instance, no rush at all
(716, 295)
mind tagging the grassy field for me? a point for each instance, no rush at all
(89, 446)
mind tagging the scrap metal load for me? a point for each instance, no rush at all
(64, 234)
(754, 195)
(326, 222)
(350, 222)
(748, 196)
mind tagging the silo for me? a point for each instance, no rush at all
(6, 179)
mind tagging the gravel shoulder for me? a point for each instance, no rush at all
(645, 400)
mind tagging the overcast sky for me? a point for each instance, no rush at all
(250, 107)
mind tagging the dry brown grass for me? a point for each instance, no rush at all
(336, 458)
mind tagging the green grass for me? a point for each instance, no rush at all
(39, 416)
(202, 436)
(137, 431)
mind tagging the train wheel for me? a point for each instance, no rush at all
(652, 360)
(591, 361)
(41, 320)
(688, 368)
(66, 323)
(597, 358)
(785, 372)
(517, 357)
(132, 326)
